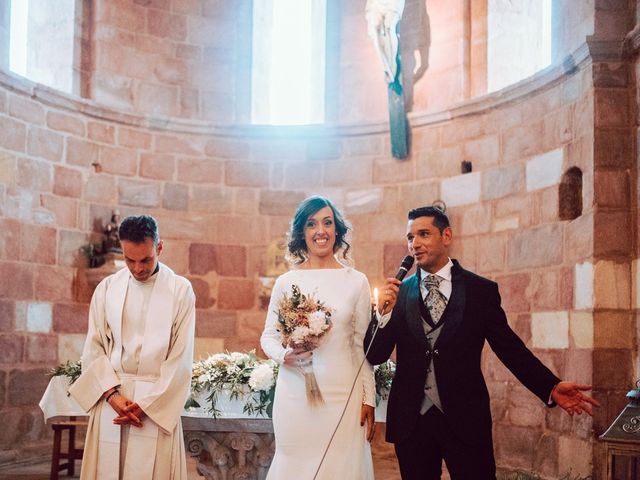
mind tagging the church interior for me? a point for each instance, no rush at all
(219, 118)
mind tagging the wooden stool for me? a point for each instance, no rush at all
(72, 453)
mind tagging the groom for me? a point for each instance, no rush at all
(438, 321)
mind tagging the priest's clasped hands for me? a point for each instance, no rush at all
(129, 413)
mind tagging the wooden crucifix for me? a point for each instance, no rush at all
(383, 17)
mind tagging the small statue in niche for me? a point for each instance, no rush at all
(112, 240)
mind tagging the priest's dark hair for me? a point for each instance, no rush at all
(137, 228)
(440, 219)
(297, 247)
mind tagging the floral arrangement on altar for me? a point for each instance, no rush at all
(240, 376)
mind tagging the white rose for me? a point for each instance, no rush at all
(299, 334)
(317, 322)
(262, 377)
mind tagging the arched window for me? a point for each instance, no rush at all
(518, 40)
(42, 39)
(570, 194)
(288, 62)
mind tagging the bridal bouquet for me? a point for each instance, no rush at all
(303, 322)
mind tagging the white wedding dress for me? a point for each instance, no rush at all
(303, 432)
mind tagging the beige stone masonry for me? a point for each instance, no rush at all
(550, 329)
(544, 170)
(612, 285)
(581, 329)
(461, 189)
(584, 285)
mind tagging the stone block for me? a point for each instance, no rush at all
(612, 148)
(520, 412)
(544, 170)
(118, 161)
(513, 290)
(611, 188)
(70, 346)
(574, 456)
(26, 386)
(10, 238)
(101, 132)
(16, 280)
(439, 162)
(538, 247)
(176, 255)
(612, 107)
(70, 318)
(369, 146)
(8, 167)
(393, 253)
(413, 196)
(544, 290)
(42, 349)
(324, 150)
(162, 24)
(13, 134)
(635, 278)
(611, 329)
(66, 123)
(550, 329)
(196, 170)
(25, 109)
(81, 152)
(69, 253)
(357, 171)
(612, 285)
(545, 458)
(202, 289)
(211, 199)
(236, 294)
(482, 152)
(584, 286)
(45, 144)
(493, 253)
(230, 228)
(188, 52)
(175, 196)
(179, 145)
(7, 315)
(506, 223)
(387, 171)
(521, 142)
(67, 182)
(38, 244)
(461, 189)
(63, 210)
(279, 202)
(36, 175)
(476, 220)
(139, 194)
(247, 174)
(157, 166)
(158, 100)
(215, 323)
(605, 243)
(131, 138)
(514, 445)
(53, 283)
(579, 238)
(612, 368)
(362, 201)
(11, 349)
(101, 188)
(226, 260)
(227, 148)
(250, 325)
(501, 182)
(171, 71)
(204, 347)
(38, 317)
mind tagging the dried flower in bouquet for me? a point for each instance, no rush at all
(303, 321)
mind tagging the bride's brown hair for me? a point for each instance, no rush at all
(297, 247)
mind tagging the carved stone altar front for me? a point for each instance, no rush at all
(230, 448)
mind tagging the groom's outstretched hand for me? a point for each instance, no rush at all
(368, 414)
(570, 397)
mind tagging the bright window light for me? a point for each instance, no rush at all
(18, 42)
(288, 62)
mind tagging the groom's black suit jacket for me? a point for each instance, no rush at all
(473, 315)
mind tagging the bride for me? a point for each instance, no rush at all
(303, 433)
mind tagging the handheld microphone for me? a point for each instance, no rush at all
(405, 266)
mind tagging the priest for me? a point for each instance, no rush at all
(136, 364)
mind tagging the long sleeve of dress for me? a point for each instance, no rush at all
(97, 375)
(361, 318)
(271, 339)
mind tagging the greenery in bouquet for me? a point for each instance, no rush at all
(384, 374)
(240, 375)
(71, 369)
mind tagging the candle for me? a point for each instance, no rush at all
(375, 297)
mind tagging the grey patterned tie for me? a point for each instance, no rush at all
(435, 301)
